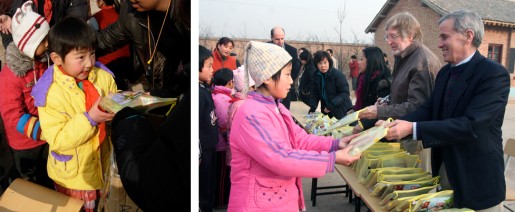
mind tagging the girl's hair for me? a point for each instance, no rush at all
(375, 61)
(224, 41)
(320, 55)
(276, 76)
(71, 34)
(223, 76)
(306, 55)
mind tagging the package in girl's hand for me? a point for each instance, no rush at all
(138, 100)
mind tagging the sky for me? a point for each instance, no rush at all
(301, 19)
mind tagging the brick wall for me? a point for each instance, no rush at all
(425, 16)
(341, 52)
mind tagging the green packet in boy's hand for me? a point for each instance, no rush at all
(137, 100)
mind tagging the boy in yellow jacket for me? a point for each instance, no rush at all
(67, 97)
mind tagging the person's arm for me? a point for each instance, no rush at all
(78, 9)
(115, 35)
(486, 106)
(315, 95)
(420, 88)
(308, 141)
(343, 96)
(13, 112)
(64, 131)
(262, 142)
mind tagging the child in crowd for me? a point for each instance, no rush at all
(208, 132)
(222, 97)
(270, 153)
(26, 61)
(238, 99)
(67, 97)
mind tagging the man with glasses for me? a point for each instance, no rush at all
(414, 72)
(462, 119)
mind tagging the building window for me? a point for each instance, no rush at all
(495, 52)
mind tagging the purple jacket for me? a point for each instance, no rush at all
(270, 154)
(222, 99)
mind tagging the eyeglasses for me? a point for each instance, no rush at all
(391, 37)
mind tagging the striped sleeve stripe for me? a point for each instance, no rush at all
(29, 126)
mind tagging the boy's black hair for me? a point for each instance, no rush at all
(223, 76)
(203, 55)
(71, 34)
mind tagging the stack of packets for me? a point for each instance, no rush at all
(391, 174)
(317, 122)
(138, 100)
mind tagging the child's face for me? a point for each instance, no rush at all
(42, 47)
(207, 71)
(77, 63)
(279, 89)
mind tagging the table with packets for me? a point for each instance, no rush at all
(386, 177)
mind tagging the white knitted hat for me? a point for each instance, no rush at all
(28, 29)
(262, 60)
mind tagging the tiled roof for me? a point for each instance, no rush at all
(492, 10)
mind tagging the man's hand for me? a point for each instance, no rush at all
(5, 24)
(344, 142)
(343, 157)
(399, 129)
(357, 129)
(326, 110)
(369, 113)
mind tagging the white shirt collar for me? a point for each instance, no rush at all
(466, 60)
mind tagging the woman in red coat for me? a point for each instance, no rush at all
(221, 55)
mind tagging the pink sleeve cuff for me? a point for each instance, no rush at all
(331, 162)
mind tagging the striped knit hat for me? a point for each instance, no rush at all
(262, 60)
(28, 29)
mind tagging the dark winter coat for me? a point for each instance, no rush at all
(173, 47)
(332, 91)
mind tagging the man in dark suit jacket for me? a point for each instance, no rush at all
(462, 119)
(277, 35)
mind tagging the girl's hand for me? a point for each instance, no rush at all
(97, 115)
(343, 157)
(344, 142)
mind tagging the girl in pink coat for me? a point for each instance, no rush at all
(270, 153)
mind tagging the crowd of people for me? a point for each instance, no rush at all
(51, 85)
(450, 116)
(253, 155)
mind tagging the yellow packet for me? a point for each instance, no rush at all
(348, 119)
(367, 138)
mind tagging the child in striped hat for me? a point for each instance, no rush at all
(25, 63)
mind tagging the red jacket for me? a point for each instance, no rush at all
(354, 68)
(218, 62)
(106, 17)
(16, 104)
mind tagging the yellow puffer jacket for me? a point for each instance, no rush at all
(75, 159)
